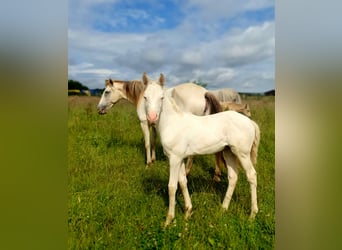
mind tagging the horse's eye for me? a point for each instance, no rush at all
(107, 92)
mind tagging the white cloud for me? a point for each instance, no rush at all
(191, 57)
(242, 58)
(215, 9)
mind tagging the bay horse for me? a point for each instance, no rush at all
(183, 134)
(189, 96)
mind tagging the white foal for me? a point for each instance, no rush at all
(184, 134)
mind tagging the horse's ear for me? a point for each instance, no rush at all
(161, 79)
(145, 79)
(109, 82)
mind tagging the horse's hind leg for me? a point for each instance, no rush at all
(189, 162)
(232, 168)
(218, 159)
(251, 174)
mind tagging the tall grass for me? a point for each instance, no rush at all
(115, 203)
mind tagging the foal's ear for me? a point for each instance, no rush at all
(145, 79)
(161, 79)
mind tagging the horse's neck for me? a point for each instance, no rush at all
(169, 113)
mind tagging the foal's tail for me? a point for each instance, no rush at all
(254, 150)
(212, 104)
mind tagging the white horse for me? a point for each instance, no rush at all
(183, 134)
(226, 95)
(190, 97)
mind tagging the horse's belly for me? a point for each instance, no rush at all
(203, 146)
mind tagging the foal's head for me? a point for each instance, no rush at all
(153, 97)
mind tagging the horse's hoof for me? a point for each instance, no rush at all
(188, 213)
(217, 178)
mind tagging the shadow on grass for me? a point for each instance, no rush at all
(155, 181)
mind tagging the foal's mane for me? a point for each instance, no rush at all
(133, 89)
(169, 96)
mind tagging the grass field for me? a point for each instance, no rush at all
(115, 203)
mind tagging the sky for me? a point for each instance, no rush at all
(223, 43)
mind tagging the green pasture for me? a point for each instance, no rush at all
(115, 203)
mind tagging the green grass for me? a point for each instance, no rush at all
(115, 203)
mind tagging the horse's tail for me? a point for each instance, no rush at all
(254, 150)
(212, 103)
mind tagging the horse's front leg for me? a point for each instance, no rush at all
(175, 163)
(146, 131)
(153, 143)
(184, 187)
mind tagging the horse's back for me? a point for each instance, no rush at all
(190, 97)
(227, 95)
(227, 128)
(233, 125)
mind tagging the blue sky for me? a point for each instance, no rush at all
(227, 44)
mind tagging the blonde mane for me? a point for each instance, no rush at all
(133, 89)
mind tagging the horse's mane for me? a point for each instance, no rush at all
(132, 88)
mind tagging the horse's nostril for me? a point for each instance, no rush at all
(152, 117)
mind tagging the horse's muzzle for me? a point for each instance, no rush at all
(102, 111)
(152, 117)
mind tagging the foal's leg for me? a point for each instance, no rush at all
(251, 174)
(145, 128)
(153, 143)
(175, 163)
(232, 167)
(184, 187)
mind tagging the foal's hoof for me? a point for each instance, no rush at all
(168, 221)
(251, 218)
(188, 213)
(148, 165)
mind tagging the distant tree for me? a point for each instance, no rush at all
(72, 84)
(200, 83)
